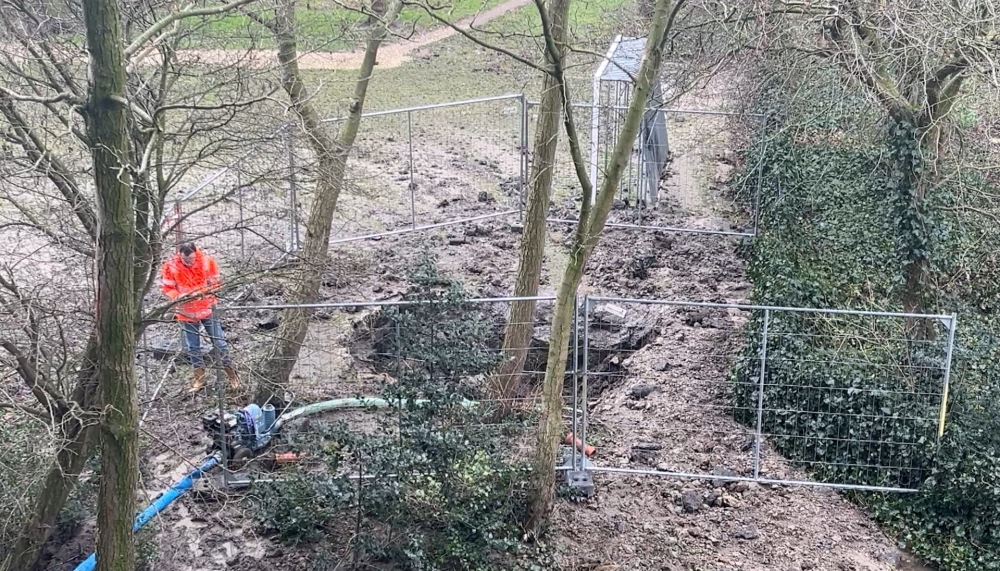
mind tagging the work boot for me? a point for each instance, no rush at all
(234, 379)
(199, 380)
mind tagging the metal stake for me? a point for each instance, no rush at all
(524, 155)
(586, 372)
(576, 376)
(760, 176)
(409, 138)
(145, 362)
(947, 376)
(178, 226)
(239, 205)
(221, 392)
(760, 396)
(293, 228)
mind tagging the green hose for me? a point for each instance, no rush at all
(340, 404)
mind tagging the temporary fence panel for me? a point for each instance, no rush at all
(363, 348)
(242, 210)
(432, 166)
(776, 395)
(399, 451)
(700, 161)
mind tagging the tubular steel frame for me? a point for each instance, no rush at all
(950, 321)
(579, 375)
(174, 221)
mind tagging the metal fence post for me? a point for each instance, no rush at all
(178, 226)
(524, 157)
(221, 393)
(239, 206)
(293, 224)
(953, 324)
(760, 176)
(760, 396)
(409, 138)
(576, 377)
(586, 373)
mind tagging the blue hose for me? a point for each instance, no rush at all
(183, 485)
(159, 504)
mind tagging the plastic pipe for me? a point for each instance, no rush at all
(159, 504)
(185, 483)
(337, 404)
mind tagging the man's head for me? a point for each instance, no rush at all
(187, 253)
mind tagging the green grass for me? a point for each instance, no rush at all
(322, 26)
(455, 68)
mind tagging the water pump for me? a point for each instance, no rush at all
(245, 432)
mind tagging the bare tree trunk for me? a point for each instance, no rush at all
(520, 325)
(116, 304)
(331, 165)
(588, 231)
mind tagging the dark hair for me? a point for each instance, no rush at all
(187, 249)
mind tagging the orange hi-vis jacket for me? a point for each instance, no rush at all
(202, 278)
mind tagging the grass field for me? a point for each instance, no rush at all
(323, 25)
(455, 68)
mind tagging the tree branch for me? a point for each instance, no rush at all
(219, 107)
(53, 167)
(464, 32)
(47, 396)
(556, 57)
(60, 97)
(156, 28)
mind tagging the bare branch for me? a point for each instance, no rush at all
(52, 166)
(156, 28)
(47, 396)
(58, 98)
(464, 32)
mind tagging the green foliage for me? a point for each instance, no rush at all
(839, 229)
(299, 508)
(146, 549)
(439, 489)
(19, 463)
(442, 338)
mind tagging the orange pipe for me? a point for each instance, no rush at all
(579, 445)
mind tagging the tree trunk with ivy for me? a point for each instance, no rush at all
(917, 85)
(116, 303)
(520, 325)
(588, 231)
(331, 165)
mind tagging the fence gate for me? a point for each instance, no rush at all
(846, 399)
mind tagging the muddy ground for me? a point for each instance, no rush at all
(682, 425)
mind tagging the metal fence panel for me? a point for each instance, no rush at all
(700, 158)
(433, 165)
(241, 210)
(774, 395)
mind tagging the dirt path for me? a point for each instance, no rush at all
(389, 56)
(649, 522)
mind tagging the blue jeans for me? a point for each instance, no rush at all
(192, 341)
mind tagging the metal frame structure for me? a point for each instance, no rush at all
(949, 321)
(175, 220)
(579, 468)
(612, 92)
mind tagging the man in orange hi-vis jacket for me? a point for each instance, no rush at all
(193, 274)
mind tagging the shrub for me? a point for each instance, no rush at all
(830, 237)
(442, 491)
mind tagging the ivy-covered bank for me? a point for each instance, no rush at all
(838, 229)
